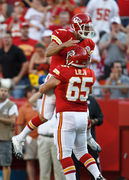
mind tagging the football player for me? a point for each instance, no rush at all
(62, 41)
(72, 82)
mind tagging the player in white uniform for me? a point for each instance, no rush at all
(73, 83)
(102, 12)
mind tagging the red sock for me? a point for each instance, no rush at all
(87, 160)
(68, 165)
(34, 122)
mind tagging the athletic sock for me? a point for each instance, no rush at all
(31, 125)
(90, 163)
(68, 168)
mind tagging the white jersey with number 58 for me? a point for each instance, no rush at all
(101, 12)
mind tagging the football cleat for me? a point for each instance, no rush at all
(100, 177)
(93, 144)
(17, 147)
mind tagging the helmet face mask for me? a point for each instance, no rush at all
(82, 24)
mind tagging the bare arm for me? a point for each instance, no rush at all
(31, 64)
(121, 45)
(21, 73)
(34, 98)
(105, 45)
(8, 120)
(40, 8)
(70, 6)
(54, 48)
(50, 84)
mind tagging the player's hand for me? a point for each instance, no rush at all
(71, 42)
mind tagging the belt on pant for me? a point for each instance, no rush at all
(49, 135)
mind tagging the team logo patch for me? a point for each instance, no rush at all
(77, 20)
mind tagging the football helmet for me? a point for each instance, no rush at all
(82, 24)
(77, 57)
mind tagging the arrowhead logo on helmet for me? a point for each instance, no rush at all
(77, 57)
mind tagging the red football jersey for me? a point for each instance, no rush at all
(60, 36)
(72, 92)
(28, 46)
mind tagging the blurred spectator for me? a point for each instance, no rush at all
(80, 7)
(39, 65)
(95, 65)
(67, 5)
(13, 64)
(95, 56)
(34, 17)
(64, 20)
(47, 152)
(118, 79)
(54, 8)
(115, 45)
(15, 20)
(8, 113)
(48, 10)
(46, 37)
(24, 42)
(101, 13)
(5, 8)
(3, 26)
(27, 112)
(127, 45)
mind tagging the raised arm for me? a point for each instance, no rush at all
(54, 48)
(50, 84)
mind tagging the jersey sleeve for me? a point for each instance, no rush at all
(92, 44)
(93, 75)
(88, 44)
(58, 73)
(58, 36)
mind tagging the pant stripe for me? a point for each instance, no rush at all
(44, 97)
(59, 136)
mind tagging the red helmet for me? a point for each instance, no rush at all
(77, 57)
(82, 24)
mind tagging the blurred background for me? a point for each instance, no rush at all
(25, 33)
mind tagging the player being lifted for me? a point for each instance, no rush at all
(72, 82)
(62, 41)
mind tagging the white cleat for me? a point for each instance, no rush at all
(93, 144)
(100, 177)
(17, 146)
